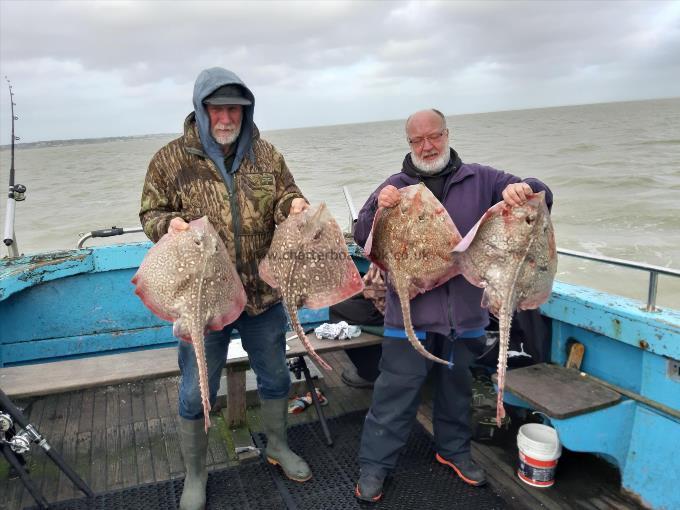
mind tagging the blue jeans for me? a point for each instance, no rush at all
(264, 339)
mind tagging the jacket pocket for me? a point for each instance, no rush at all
(257, 203)
(207, 196)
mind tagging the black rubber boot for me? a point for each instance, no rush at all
(275, 421)
(194, 445)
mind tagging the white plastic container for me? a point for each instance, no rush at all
(539, 448)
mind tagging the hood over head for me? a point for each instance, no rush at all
(207, 82)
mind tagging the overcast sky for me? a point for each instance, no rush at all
(89, 69)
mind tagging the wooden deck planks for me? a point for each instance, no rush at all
(137, 402)
(125, 404)
(86, 410)
(68, 451)
(217, 446)
(172, 387)
(112, 407)
(99, 454)
(165, 408)
(84, 462)
(145, 473)
(149, 396)
(52, 418)
(159, 457)
(70, 446)
(172, 449)
(99, 410)
(66, 488)
(128, 456)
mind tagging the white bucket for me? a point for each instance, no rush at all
(539, 449)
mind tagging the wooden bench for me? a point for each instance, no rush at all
(94, 371)
(558, 392)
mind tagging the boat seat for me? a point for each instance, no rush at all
(40, 379)
(558, 392)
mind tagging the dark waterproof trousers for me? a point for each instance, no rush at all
(396, 396)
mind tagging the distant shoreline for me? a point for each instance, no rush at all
(79, 141)
(75, 141)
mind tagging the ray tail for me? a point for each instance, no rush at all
(297, 327)
(197, 337)
(504, 322)
(402, 292)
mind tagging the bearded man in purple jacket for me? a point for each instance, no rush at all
(449, 319)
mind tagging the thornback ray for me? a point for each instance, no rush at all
(413, 243)
(309, 262)
(511, 254)
(189, 279)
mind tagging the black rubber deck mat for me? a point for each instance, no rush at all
(245, 487)
(419, 482)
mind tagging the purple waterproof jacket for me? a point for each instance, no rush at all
(455, 305)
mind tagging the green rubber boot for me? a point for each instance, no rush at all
(194, 444)
(274, 419)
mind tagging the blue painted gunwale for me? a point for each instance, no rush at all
(78, 303)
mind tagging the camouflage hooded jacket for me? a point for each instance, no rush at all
(183, 181)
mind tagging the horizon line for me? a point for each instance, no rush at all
(141, 135)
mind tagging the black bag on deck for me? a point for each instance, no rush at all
(530, 334)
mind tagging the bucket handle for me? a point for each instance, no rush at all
(545, 416)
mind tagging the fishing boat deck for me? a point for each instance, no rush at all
(124, 435)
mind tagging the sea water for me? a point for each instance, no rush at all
(614, 170)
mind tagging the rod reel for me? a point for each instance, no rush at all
(6, 422)
(20, 443)
(18, 192)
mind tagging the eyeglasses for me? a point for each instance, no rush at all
(419, 140)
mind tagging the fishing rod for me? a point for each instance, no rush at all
(14, 444)
(16, 191)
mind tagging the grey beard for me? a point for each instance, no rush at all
(227, 139)
(435, 166)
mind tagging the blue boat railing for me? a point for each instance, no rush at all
(654, 271)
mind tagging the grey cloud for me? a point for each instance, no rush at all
(148, 41)
(150, 52)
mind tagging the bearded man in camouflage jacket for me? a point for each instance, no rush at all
(222, 169)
